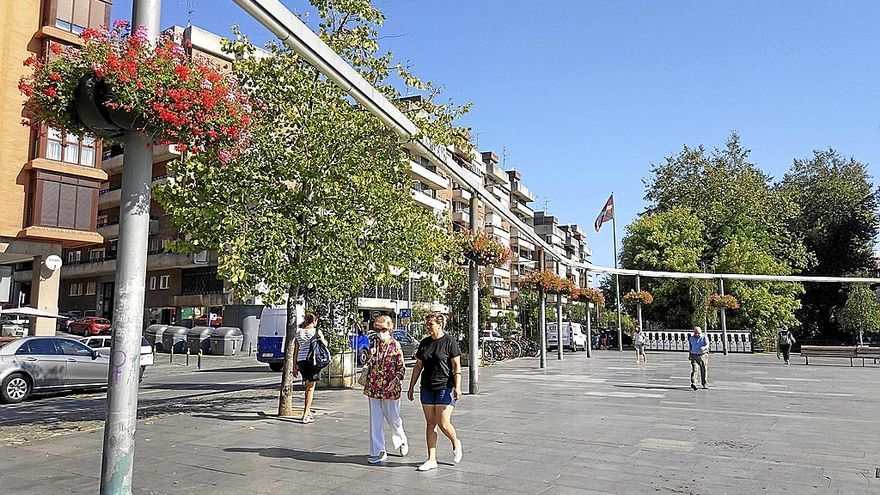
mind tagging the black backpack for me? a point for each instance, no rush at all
(319, 354)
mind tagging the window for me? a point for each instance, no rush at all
(152, 283)
(165, 282)
(97, 254)
(74, 257)
(76, 289)
(70, 149)
(44, 347)
(91, 288)
(76, 15)
(63, 201)
(71, 348)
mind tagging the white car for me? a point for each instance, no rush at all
(101, 343)
(490, 336)
(573, 336)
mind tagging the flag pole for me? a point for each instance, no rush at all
(616, 276)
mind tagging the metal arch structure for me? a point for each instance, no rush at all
(294, 33)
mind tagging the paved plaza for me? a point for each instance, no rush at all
(581, 426)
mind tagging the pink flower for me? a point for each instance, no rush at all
(225, 157)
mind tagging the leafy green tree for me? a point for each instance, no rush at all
(861, 313)
(669, 240)
(764, 306)
(837, 215)
(319, 204)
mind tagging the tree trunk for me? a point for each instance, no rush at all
(285, 401)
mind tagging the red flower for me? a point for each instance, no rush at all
(50, 92)
(55, 48)
(182, 72)
(89, 33)
(55, 76)
(32, 60)
(25, 88)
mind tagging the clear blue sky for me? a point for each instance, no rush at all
(585, 96)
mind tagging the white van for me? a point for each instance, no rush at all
(573, 336)
(270, 339)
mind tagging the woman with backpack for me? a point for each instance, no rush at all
(438, 361)
(784, 341)
(304, 336)
(385, 370)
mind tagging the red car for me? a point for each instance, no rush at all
(90, 325)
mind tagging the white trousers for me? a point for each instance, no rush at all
(382, 411)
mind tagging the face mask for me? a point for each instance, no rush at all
(384, 336)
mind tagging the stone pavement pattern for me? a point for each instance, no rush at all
(597, 426)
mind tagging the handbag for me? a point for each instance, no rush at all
(364, 377)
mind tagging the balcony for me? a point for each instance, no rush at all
(113, 163)
(110, 230)
(461, 194)
(500, 292)
(522, 192)
(522, 243)
(462, 217)
(107, 264)
(500, 272)
(496, 173)
(429, 202)
(521, 210)
(108, 198)
(500, 192)
(499, 233)
(433, 179)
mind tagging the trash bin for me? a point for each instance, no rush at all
(226, 341)
(174, 338)
(197, 340)
(153, 334)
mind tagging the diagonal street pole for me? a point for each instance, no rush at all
(117, 461)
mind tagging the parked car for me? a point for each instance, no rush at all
(64, 323)
(102, 344)
(573, 336)
(90, 325)
(45, 364)
(491, 335)
(408, 344)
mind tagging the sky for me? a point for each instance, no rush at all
(583, 97)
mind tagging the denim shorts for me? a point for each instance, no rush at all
(438, 397)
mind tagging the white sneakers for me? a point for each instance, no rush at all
(404, 450)
(378, 458)
(457, 453)
(427, 466)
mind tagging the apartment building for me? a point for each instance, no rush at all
(49, 180)
(567, 241)
(178, 287)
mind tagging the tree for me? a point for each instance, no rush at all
(764, 306)
(861, 313)
(319, 206)
(670, 240)
(837, 215)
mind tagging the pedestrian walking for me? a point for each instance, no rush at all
(385, 371)
(438, 362)
(699, 356)
(784, 341)
(304, 336)
(603, 341)
(639, 343)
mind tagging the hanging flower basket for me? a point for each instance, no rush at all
(117, 82)
(633, 298)
(726, 301)
(484, 249)
(547, 280)
(590, 295)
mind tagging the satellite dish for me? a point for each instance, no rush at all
(53, 262)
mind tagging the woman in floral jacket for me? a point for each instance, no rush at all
(386, 370)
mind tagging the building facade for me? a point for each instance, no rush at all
(49, 180)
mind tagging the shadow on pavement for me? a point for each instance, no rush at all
(654, 387)
(244, 369)
(322, 457)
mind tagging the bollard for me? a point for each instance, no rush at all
(171, 356)
(250, 349)
(199, 360)
(187, 356)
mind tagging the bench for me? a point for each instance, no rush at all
(828, 351)
(851, 352)
(865, 352)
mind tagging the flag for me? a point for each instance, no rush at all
(607, 213)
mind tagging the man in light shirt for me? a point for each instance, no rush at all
(699, 356)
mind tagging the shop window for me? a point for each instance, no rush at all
(68, 148)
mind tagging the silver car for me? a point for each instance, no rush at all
(45, 364)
